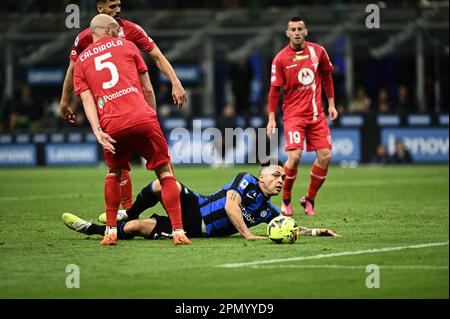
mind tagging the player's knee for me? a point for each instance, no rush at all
(294, 157)
(325, 158)
(132, 227)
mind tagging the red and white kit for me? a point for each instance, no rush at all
(124, 113)
(301, 75)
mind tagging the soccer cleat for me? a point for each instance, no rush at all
(286, 209)
(110, 237)
(308, 205)
(121, 216)
(179, 238)
(76, 223)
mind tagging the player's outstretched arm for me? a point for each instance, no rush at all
(178, 92)
(64, 109)
(304, 231)
(91, 113)
(147, 88)
(232, 207)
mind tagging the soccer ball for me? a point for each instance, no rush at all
(282, 230)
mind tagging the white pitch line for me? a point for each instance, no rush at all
(39, 197)
(405, 267)
(322, 256)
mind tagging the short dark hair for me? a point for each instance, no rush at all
(269, 162)
(297, 19)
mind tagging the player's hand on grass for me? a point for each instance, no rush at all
(178, 95)
(332, 112)
(66, 112)
(271, 126)
(106, 141)
(327, 232)
(254, 237)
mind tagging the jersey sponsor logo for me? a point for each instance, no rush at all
(274, 68)
(120, 93)
(243, 184)
(247, 216)
(300, 57)
(306, 76)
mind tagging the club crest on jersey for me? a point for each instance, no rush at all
(100, 102)
(306, 76)
(121, 33)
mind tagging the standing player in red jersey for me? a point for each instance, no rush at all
(300, 69)
(137, 35)
(112, 80)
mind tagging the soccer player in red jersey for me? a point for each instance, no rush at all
(301, 69)
(112, 80)
(137, 35)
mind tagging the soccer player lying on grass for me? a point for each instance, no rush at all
(239, 205)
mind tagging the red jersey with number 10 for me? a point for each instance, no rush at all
(299, 73)
(110, 68)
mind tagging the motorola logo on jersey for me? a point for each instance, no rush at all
(306, 76)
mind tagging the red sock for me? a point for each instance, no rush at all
(318, 176)
(126, 190)
(291, 175)
(112, 199)
(171, 200)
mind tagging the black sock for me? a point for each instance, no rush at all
(145, 199)
(95, 229)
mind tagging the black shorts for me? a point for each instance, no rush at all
(192, 221)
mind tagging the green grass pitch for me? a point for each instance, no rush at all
(372, 207)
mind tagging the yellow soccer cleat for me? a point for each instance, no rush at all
(76, 223)
(121, 217)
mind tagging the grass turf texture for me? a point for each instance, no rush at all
(372, 207)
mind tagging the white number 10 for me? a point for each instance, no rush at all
(294, 137)
(100, 65)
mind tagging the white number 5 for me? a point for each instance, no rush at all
(100, 65)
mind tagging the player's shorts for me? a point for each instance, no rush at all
(190, 213)
(146, 139)
(316, 133)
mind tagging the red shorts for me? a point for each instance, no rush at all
(317, 134)
(146, 139)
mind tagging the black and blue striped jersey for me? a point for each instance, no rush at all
(255, 207)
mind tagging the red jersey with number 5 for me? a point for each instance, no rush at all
(299, 73)
(110, 68)
(128, 30)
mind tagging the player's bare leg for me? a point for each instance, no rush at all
(290, 168)
(170, 197)
(140, 227)
(112, 203)
(318, 176)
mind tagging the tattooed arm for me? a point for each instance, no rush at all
(235, 215)
(303, 231)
